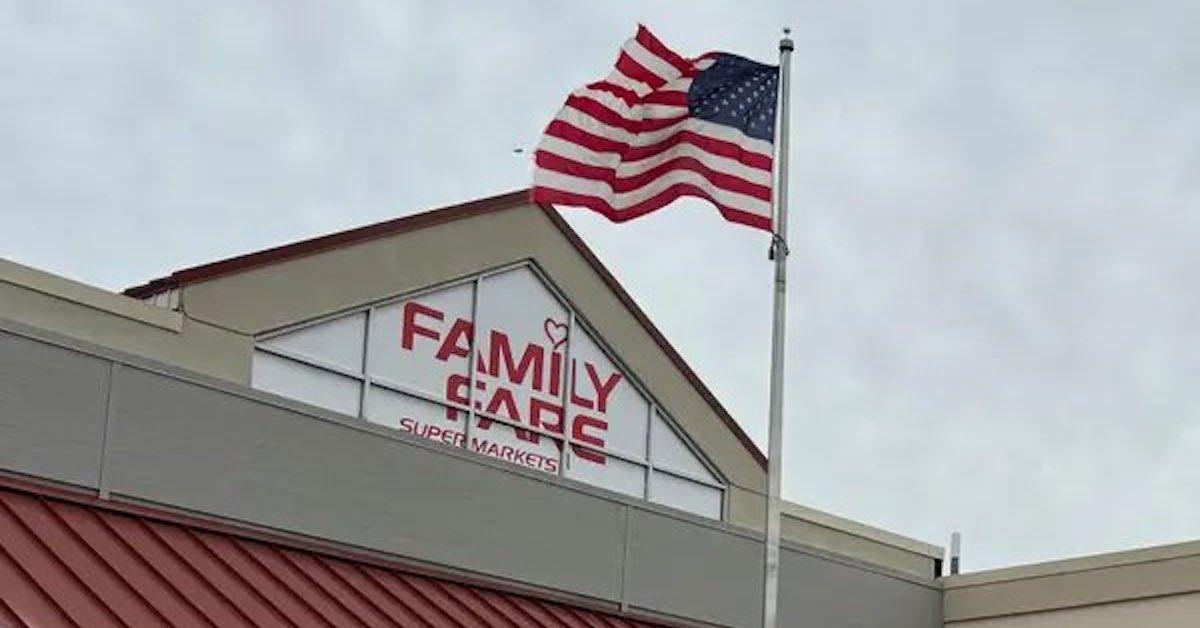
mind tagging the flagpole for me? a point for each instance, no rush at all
(779, 253)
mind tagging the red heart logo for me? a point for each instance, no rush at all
(556, 332)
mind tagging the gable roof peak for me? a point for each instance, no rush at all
(414, 222)
(328, 242)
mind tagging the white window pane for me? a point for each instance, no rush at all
(415, 416)
(686, 495)
(604, 396)
(305, 383)
(338, 342)
(614, 474)
(519, 447)
(670, 452)
(424, 342)
(522, 333)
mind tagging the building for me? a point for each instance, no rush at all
(453, 418)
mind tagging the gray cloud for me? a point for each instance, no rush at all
(994, 326)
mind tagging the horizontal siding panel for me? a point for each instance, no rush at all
(65, 564)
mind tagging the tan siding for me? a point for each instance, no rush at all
(1081, 591)
(1177, 611)
(79, 311)
(220, 313)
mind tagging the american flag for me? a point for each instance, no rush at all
(660, 127)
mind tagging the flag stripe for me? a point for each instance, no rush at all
(606, 115)
(677, 97)
(621, 168)
(551, 195)
(616, 77)
(720, 147)
(716, 138)
(560, 129)
(656, 47)
(601, 189)
(628, 66)
(655, 64)
(671, 97)
(719, 132)
(628, 96)
(620, 184)
(640, 111)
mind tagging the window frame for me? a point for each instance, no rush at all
(575, 323)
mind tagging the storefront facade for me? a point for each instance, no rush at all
(463, 395)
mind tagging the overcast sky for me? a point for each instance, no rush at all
(995, 316)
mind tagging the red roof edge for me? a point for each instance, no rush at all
(193, 538)
(440, 216)
(302, 248)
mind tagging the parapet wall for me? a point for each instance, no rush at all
(141, 432)
(1150, 588)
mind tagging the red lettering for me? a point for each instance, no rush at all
(501, 357)
(556, 360)
(456, 392)
(578, 426)
(457, 341)
(582, 402)
(538, 407)
(514, 455)
(409, 327)
(602, 390)
(503, 397)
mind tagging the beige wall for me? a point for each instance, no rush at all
(1148, 588)
(39, 299)
(1176, 611)
(213, 331)
(288, 292)
(147, 435)
(850, 538)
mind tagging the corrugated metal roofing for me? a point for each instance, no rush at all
(68, 564)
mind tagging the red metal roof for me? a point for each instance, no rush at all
(73, 564)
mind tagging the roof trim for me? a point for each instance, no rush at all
(1078, 565)
(82, 294)
(180, 518)
(510, 200)
(302, 248)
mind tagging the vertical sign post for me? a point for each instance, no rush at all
(779, 253)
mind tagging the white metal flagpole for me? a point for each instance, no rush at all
(779, 253)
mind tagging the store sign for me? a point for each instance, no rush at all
(522, 373)
(524, 385)
(506, 347)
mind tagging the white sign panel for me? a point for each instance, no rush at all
(521, 369)
(507, 348)
(436, 327)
